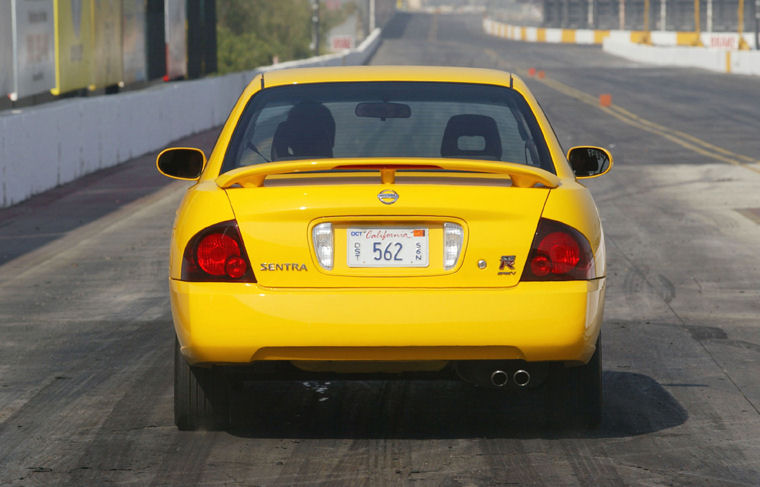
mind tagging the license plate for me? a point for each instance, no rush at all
(388, 247)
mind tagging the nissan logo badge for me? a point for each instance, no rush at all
(387, 196)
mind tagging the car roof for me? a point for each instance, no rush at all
(386, 73)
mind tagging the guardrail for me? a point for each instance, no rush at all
(45, 146)
(659, 48)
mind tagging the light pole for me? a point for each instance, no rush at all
(315, 25)
(757, 24)
(622, 14)
(648, 39)
(697, 25)
(740, 20)
(372, 23)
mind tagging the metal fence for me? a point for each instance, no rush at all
(70, 46)
(74, 46)
(671, 15)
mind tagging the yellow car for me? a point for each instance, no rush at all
(387, 222)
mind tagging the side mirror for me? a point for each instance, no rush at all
(589, 162)
(181, 163)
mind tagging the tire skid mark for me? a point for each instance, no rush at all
(589, 467)
(353, 458)
(636, 273)
(188, 459)
(686, 466)
(116, 445)
(510, 462)
(54, 416)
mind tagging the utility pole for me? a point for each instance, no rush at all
(740, 21)
(664, 15)
(315, 25)
(757, 24)
(646, 16)
(372, 23)
(710, 15)
(565, 22)
(697, 24)
(622, 14)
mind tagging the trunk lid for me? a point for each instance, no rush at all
(277, 217)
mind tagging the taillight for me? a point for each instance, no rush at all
(559, 253)
(217, 254)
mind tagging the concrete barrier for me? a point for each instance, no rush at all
(44, 146)
(658, 48)
(722, 40)
(712, 59)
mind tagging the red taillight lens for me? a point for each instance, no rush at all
(562, 250)
(559, 253)
(217, 254)
(541, 266)
(235, 267)
(214, 251)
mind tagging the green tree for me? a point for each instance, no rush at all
(250, 33)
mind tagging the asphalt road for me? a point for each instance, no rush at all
(86, 341)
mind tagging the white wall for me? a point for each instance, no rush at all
(44, 146)
(719, 60)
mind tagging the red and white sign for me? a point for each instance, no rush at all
(723, 41)
(341, 42)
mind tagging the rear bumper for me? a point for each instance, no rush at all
(232, 323)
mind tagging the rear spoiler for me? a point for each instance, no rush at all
(522, 176)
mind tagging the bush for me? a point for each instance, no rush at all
(250, 33)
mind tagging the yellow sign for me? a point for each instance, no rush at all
(73, 45)
(107, 65)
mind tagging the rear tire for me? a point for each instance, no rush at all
(587, 382)
(575, 394)
(201, 396)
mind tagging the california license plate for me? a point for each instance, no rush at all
(388, 247)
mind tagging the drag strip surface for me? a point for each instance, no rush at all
(86, 338)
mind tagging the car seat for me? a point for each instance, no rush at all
(309, 131)
(476, 127)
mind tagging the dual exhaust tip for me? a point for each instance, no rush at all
(502, 374)
(500, 378)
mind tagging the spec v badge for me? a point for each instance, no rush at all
(507, 265)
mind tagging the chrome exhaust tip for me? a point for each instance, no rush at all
(499, 378)
(521, 378)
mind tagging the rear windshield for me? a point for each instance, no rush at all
(387, 119)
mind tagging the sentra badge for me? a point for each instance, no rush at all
(507, 265)
(387, 196)
(265, 266)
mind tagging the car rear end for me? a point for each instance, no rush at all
(444, 273)
(417, 225)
